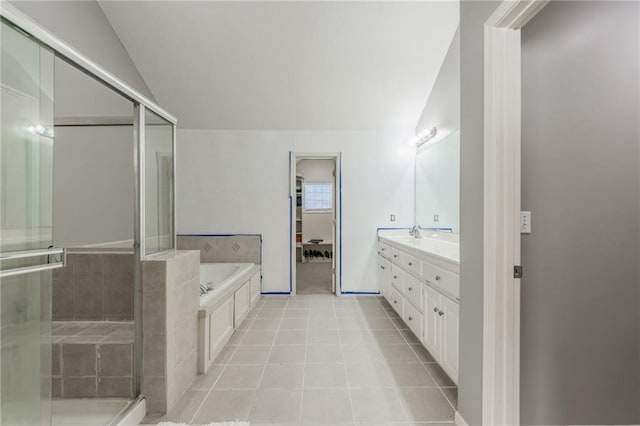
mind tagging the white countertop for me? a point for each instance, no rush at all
(444, 245)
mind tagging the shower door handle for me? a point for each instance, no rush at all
(61, 263)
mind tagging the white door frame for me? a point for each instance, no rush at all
(502, 129)
(337, 214)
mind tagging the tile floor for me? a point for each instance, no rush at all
(86, 412)
(320, 359)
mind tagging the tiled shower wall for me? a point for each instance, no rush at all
(224, 248)
(94, 287)
(170, 303)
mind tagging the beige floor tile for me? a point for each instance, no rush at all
(287, 354)
(369, 375)
(276, 407)
(426, 404)
(236, 337)
(422, 354)
(323, 337)
(225, 354)
(250, 355)
(410, 374)
(325, 376)
(258, 337)
(376, 405)
(398, 353)
(265, 324)
(206, 381)
(291, 337)
(270, 313)
(282, 376)
(326, 406)
(320, 323)
(324, 354)
(240, 377)
(355, 337)
(294, 324)
(357, 354)
(296, 313)
(387, 337)
(225, 405)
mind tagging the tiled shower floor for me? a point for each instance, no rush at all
(86, 412)
(320, 359)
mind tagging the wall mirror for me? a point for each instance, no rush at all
(438, 184)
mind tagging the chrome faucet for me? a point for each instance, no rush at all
(415, 232)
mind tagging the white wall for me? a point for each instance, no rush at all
(238, 182)
(316, 225)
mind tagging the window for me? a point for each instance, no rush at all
(318, 197)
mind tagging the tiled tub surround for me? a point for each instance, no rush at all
(420, 279)
(223, 309)
(92, 359)
(94, 286)
(170, 299)
(320, 359)
(224, 248)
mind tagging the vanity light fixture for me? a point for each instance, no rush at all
(39, 129)
(424, 137)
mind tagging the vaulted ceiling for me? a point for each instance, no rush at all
(287, 65)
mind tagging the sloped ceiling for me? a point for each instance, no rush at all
(287, 65)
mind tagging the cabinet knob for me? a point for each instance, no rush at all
(409, 289)
(382, 267)
(410, 318)
(395, 301)
(437, 277)
(395, 277)
(435, 310)
(410, 263)
(441, 313)
(395, 255)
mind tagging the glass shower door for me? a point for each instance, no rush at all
(26, 256)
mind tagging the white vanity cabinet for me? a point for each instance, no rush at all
(423, 288)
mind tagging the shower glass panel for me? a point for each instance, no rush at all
(26, 142)
(158, 183)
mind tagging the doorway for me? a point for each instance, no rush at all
(315, 223)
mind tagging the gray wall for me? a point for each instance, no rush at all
(580, 353)
(443, 106)
(93, 185)
(82, 25)
(473, 14)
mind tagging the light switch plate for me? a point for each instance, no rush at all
(525, 222)
(392, 218)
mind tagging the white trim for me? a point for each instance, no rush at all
(501, 304)
(460, 421)
(294, 157)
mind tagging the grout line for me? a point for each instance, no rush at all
(304, 363)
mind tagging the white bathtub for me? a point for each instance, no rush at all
(220, 276)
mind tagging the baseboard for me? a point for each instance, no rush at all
(460, 421)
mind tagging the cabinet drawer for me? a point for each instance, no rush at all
(412, 264)
(413, 318)
(396, 301)
(412, 291)
(442, 279)
(396, 277)
(384, 250)
(397, 256)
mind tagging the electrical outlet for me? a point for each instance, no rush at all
(436, 218)
(392, 218)
(525, 222)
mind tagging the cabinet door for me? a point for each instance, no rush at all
(412, 291)
(432, 321)
(396, 277)
(450, 326)
(384, 272)
(396, 301)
